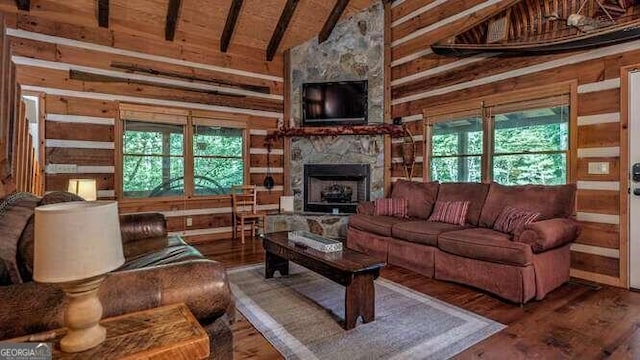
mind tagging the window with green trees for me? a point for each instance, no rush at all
(152, 159)
(530, 146)
(155, 159)
(457, 150)
(217, 159)
(521, 143)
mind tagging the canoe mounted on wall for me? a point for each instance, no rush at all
(536, 27)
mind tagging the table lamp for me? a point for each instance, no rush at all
(85, 188)
(76, 244)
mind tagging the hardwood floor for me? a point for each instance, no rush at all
(576, 321)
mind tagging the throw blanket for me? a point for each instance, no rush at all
(15, 212)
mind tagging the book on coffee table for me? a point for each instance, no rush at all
(317, 242)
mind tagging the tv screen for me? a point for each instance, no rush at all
(337, 103)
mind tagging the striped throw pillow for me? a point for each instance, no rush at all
(450, 212)
(512, 219)
(391, 207)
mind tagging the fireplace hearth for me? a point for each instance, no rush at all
(335, 188)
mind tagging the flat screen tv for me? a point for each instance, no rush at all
(334, 103)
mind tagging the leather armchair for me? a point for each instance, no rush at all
(159, 270)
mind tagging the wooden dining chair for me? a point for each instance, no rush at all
(244, 202)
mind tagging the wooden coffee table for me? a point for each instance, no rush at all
(354, 270)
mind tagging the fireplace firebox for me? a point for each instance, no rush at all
(335, 188)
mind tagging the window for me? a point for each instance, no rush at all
(456, 150)
(511, 143)
(530, 146)
(152, 159)
(171, 153)
(217, 159)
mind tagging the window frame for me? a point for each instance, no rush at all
(242, 157)
(461, 109)
(156, 114)
(491, 119)
(458, 156)
(168, 156)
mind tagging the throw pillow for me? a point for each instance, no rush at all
(420, 196)
(391, 207)
(450, 212)
(511, 219)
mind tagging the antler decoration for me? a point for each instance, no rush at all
(408, 153)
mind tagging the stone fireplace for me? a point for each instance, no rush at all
(353, 52)
(335, 188)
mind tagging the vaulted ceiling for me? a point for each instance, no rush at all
(200, 21)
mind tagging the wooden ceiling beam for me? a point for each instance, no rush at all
(230, 25)
(103, 13)
(283, 23)
(24, 5)
(173, 11)
(332, 20)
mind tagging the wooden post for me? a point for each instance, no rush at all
(387, 95)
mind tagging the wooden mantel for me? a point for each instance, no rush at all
(382, 129)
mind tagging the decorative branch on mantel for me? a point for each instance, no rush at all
(383, 129)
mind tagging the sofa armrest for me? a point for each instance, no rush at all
(142, 226)
(365, 208)
(202, 285)
(549, 234)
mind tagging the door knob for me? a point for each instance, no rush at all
(635, 173)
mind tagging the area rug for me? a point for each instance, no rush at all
(301, 316)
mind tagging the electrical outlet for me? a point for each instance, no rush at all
(189, 221)
(598, 168)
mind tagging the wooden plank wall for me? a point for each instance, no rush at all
(7, 111)
(81, 115)
(27, 172)
(420, 79)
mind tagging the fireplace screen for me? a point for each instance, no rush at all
(335, 188)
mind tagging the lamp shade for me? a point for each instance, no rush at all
(76, 240)
(85, 188)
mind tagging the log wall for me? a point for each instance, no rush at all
(71, 67)
(421, 79)
(7, 113)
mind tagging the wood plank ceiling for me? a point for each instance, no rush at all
(268, 25)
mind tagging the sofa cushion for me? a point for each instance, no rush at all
(421, 196)
(450, 212)
(26, 243)
(487, 245)
(422, 232)
(396, 207)
(16, 213)
(366, 208)
(550, 201)
(173, 253)
(475, 193)
(380, 225)
(512, 220)
(137, 248)
(5, 279)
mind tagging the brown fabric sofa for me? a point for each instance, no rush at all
(159, 270)
(519, 267)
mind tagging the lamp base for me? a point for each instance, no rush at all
(82, 316)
